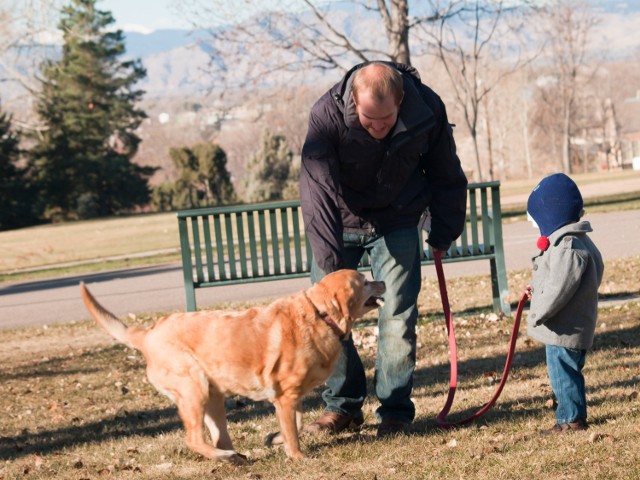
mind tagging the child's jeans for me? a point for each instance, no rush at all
(565, 373)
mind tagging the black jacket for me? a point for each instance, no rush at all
(352, 182)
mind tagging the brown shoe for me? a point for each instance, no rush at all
(391, 426)
(560, 428)
(334, 423)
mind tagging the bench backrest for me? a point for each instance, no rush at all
(251, 243)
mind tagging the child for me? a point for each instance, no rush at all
(564, 294)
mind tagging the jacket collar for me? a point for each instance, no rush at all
(577, 228)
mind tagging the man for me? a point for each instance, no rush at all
(379, 150)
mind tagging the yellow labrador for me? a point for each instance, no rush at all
(277, 352)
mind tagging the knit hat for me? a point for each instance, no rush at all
(554, 203)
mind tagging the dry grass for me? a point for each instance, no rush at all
(77, 406)
(45, 245)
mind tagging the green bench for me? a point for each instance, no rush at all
(259, 243)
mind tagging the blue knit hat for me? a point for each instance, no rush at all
(554, 203)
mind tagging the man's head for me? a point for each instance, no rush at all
(377, 91)
(555, 202)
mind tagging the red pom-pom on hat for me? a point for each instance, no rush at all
(543, 243)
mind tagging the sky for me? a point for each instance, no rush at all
(142, 15)
(148, 15)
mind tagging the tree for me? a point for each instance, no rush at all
(203, 179)
(569, 25)
(15, 189)
(478, 51)
(268, 170)
(25, 32)
(321, 35)
(88, 103)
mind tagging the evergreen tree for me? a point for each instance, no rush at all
(268, 170)
(16, 193)
(213, 174)
(203, 179)
(88, 105)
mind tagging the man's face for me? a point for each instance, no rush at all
(377, 118)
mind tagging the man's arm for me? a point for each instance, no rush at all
(319, 189)
(448, 184)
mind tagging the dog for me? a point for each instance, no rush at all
(277, 352)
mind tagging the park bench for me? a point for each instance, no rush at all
(264, 242)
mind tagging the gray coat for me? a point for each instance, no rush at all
(566, 277)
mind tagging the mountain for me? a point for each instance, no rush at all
(177, 61)
(142, 45)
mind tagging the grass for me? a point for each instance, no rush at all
(75, 405)
(58, 244)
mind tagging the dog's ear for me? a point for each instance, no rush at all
(344, 299)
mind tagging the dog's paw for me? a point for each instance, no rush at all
(238, 459)
(273, 439)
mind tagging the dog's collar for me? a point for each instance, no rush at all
(326, 318)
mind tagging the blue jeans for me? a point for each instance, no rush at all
(395, 259)
(565, 373)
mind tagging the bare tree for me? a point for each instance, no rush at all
(25, 26)
(484, 44)
(321, 35)
(569, 25)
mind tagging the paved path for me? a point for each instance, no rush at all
(160, 288)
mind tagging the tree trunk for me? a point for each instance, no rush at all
(566, 143)
(476, 149)
(396, 24)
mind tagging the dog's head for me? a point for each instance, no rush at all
(346, 295)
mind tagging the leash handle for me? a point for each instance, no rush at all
(453, 351)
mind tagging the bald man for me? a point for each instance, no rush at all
(379, 153)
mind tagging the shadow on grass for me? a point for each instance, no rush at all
(154, 422)
(56, 366)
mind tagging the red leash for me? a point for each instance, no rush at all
(453, 352)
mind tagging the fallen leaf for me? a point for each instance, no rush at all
(600, 437)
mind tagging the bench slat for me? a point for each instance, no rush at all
(253, 248)
(286, 245)
(297, 240)
(264, 251)
(242, 249)
(275, 247)
(208, 251)
(231, 245)
(197, 252)
(220, 247)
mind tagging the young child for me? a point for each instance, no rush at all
(564, 294)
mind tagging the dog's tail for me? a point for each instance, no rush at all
(131, 336)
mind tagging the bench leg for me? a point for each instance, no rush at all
(191, 297)
(499, 286)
